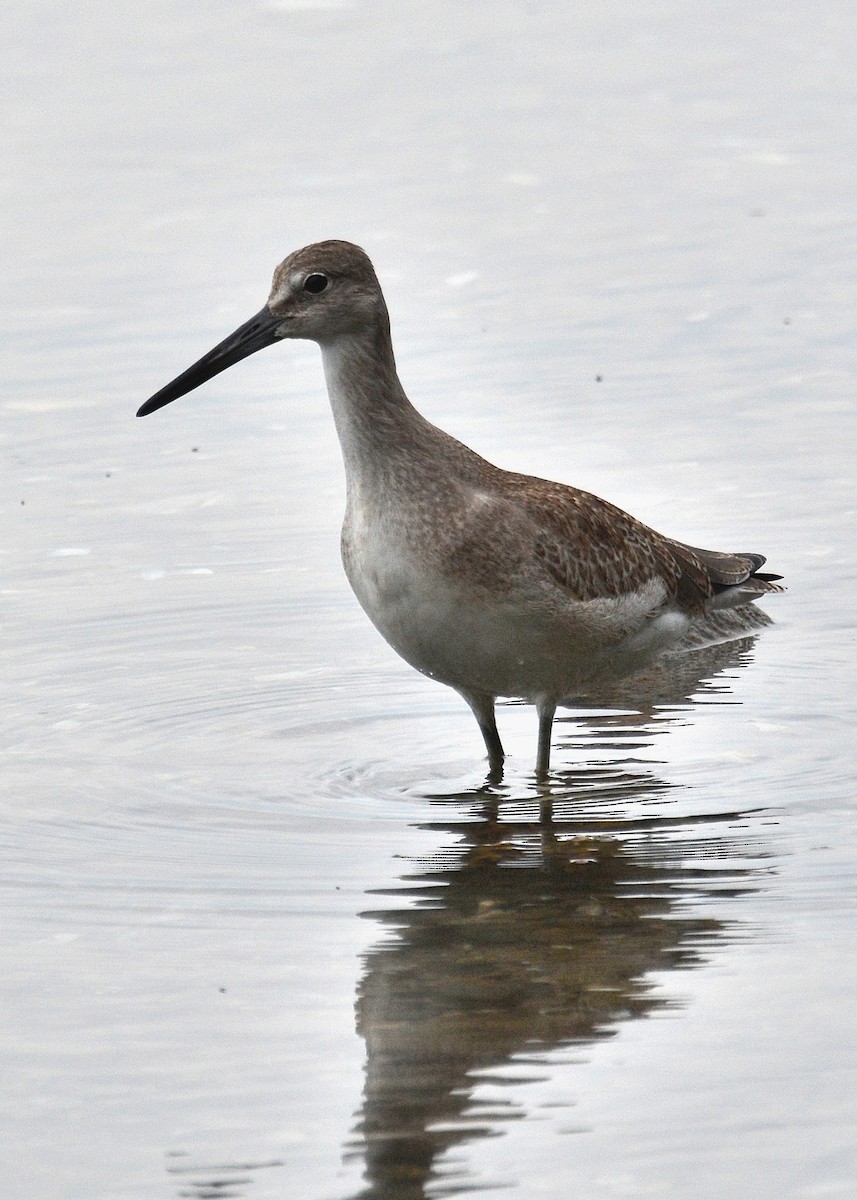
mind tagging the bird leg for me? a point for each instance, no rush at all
(546, 709)
(482, 707)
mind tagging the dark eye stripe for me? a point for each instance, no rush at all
(315, 283)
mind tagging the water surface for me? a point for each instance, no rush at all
(265, 929)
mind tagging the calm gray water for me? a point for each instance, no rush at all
(264, 933)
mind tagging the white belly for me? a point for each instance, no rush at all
(505, 644)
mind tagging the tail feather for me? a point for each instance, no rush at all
(735, 579)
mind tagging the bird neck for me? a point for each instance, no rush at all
(376, 422)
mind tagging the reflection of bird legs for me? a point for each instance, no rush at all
(533, 928)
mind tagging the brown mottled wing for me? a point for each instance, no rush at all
(596, 550)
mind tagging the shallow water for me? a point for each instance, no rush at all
(265, 929)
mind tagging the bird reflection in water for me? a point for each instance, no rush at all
(538, 929)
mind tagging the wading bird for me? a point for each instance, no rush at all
(494, 583)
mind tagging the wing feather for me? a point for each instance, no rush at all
(595, 550)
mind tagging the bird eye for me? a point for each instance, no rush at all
(315, 283)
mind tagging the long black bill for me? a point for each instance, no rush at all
(257, 333)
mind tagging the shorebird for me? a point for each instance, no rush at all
(495, 583)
